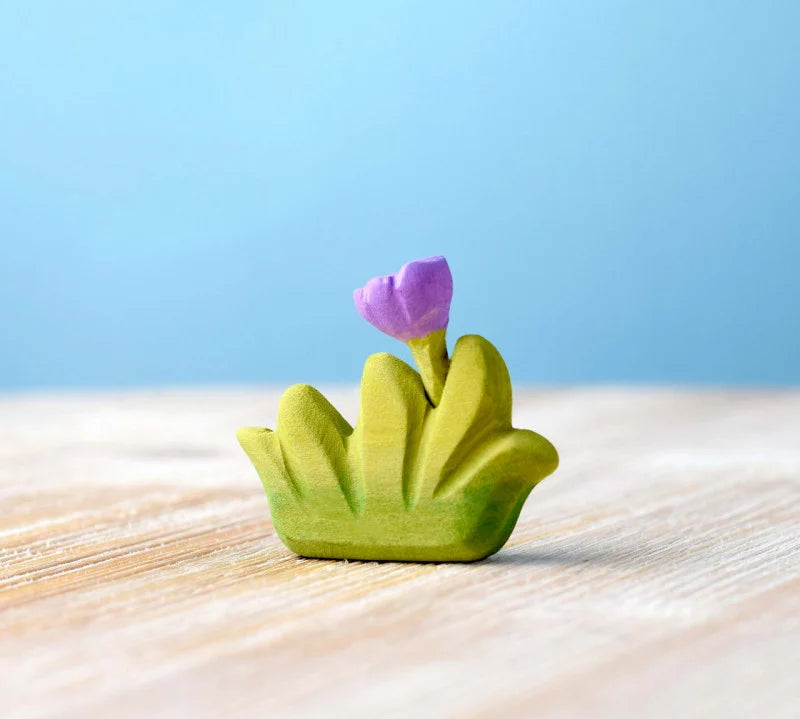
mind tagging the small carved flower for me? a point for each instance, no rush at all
(410, 303)
(433, 471)
(413, 306)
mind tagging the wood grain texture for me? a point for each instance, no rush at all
(656, 574)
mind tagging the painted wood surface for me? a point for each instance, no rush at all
(410, 481)
(656, 574)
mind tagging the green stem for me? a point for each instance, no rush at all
(430, 354)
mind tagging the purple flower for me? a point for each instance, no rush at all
(410, 303)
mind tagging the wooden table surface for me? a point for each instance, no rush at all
(655, 574)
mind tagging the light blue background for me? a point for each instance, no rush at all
(189, 191)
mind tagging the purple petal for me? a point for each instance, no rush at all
(410, 303)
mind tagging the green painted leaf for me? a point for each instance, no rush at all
(411, 481)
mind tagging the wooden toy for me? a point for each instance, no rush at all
(433, 469)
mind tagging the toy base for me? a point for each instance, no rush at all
(364, 553)
(436, 531)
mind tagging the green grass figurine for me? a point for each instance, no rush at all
(433, 471)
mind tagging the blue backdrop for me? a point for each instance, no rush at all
(189, 191)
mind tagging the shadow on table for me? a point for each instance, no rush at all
(566, 556)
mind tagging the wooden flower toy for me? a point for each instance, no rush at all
(433, 469)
